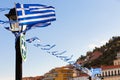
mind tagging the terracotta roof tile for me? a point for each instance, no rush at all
(110, 67)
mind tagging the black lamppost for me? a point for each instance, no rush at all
(15, 28)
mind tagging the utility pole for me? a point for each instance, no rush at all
(15, 29)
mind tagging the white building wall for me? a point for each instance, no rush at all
(80, 78)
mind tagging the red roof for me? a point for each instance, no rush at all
(95, 55)
(110, 67)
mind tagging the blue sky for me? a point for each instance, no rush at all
(80, 26)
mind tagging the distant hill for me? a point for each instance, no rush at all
(103, 55)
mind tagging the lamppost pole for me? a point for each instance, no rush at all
(15, 29)
(18, 75)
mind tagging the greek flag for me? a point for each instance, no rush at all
(96, 71)
(31, 14)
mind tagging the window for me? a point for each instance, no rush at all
(118, 72)
(118, 62)
(108, 73)
(103, 74)
(115, 73)
(111, 73)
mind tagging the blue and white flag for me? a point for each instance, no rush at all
(96, 71)
(38, 25)
(31, 14)
(32, 39)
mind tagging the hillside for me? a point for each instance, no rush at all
(103, 55)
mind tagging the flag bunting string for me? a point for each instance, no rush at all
(48, 49)
(4, 9)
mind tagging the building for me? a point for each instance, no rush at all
(111, 72)
(69, 73)
(95, 55)
(33, 78)
(117, 61)
(61, 73)
(81, 77)
(108, 72)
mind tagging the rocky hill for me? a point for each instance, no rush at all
(103, 55)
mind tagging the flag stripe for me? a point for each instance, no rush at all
(32, 14)
(41, 25)
(40, 20)
(28, 5)
(36, 17)
(36, 9)
(43, 9)
(36, 22)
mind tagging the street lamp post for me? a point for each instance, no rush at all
(15, 28)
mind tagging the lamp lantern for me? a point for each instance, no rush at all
(14, 26)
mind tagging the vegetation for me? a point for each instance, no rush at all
(109, 52)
